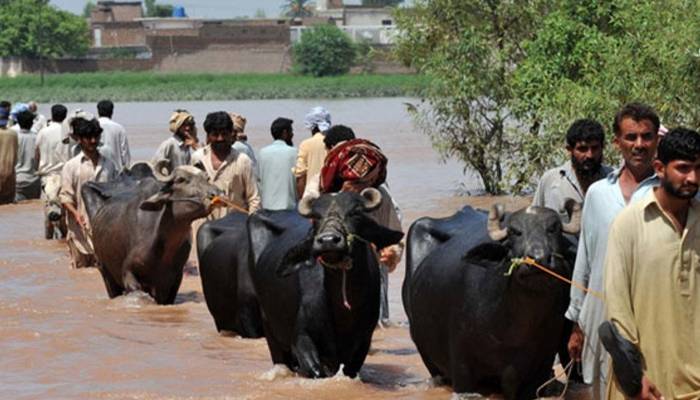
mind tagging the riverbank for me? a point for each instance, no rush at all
(149, 86)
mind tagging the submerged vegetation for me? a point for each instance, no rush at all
(149, 86)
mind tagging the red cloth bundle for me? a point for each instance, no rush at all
(352, 166)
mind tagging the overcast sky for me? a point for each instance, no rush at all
(205, 8)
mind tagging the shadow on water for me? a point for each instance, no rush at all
(189, 297)
(389, 376)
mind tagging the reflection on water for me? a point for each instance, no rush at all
(61, 337)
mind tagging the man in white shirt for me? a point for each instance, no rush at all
(113, 144)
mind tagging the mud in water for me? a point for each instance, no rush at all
(61, 337)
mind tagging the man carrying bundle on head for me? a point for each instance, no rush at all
(353, 165)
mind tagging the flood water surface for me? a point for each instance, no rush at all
(61, 337)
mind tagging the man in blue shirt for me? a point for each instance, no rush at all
(275, 164)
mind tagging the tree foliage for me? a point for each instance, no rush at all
(33, 28)
(324, 50)
(154, 10)
(87, 9)
(470, 49)
(589, 58)
(298, 8)
(510, 77)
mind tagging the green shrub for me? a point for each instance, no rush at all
(324, 50)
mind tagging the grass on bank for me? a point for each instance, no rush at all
(150, 86)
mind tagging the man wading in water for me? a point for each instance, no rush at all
(87, 166)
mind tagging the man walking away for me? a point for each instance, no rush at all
(652, 271)
(276, 163)
(50, 146)
(8, 156)
(114, 144)
(28, 185)
(312, 152)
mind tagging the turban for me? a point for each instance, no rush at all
(318, 117)
(178, 118)
(239, 121)
(354, 164)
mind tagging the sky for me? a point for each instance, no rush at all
(205, 8)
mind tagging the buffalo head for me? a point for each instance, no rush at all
(340, 220)
(538, 233)
(186, 189)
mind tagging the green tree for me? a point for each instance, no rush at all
(260, 14)
(381, 3)
(298, 8)
(154, 10)
(35, 29)
(589, 58)
(87, 10)
(324, 50)
(469, 49)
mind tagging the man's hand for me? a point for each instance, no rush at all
(575, 345)
(389, 256)
(649, 391)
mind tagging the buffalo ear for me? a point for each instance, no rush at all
(155, 202)
(379, 235)
(300, 252)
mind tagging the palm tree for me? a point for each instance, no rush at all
(298, 8)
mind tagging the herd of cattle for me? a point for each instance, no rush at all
(308, 280)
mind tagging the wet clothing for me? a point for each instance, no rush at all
(604, 200)
(652, 290)
(49, 143)
(8, 159)
(27, 185)
(113, 143)
(277, 184)
(234, 177)
(76, 172)
(312, 153)
(175, 151)
(388, 214)
(559, 185)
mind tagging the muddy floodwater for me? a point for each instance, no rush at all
(61, 337)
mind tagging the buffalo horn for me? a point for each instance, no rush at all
(305, 203)
(161, 170)
(574, 225)
(372, 198)
(494, 225)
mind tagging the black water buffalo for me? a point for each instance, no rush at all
(318, 282)
(222, 249)
(475, 325)
(141, 227)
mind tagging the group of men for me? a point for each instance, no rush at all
(639, 246)
(79, 148)
(279, 174)
(638, 243)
